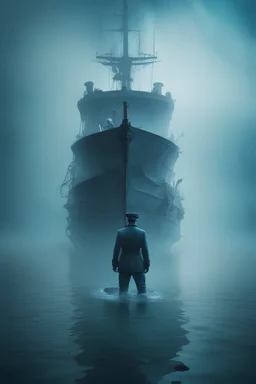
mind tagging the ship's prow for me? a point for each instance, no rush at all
(122, 169)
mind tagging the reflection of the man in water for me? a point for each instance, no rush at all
(130, 341)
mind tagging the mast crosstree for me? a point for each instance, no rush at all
(122, 65)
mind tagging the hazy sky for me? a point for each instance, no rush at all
(208, 60)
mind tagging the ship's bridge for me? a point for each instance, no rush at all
(151, 111)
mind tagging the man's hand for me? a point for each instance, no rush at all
(146, 266)
(115, 265)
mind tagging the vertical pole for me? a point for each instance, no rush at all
(125, 31)
(126, 127)
(126, 67)
(125, 119)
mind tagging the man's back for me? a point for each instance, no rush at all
(132, 243)
(130, 256)
(132, 239)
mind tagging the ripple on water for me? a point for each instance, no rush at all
(132, 296)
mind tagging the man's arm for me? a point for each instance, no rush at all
(145, 253)
(116, 251)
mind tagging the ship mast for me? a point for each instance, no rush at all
(125, 31)
(125, 125)
(122, 65)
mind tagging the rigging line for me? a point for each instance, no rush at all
(154, 53)
(154, 40)
(152, 76)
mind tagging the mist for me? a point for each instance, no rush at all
(208, 64)
(57, 323)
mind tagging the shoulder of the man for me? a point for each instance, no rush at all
(140, 230)
(121, 231)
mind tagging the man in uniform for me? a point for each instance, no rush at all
(134, 258)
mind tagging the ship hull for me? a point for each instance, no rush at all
(114, 173)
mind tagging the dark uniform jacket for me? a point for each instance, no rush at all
(132, 243)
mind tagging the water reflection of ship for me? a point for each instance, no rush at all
(125, 342)
(120, 167)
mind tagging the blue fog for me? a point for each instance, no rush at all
(56, 324)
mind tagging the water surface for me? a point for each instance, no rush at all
(58, 326)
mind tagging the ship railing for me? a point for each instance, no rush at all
(174, 139)
(67, 182)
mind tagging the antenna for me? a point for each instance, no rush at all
(125, 125)
(125, 30)
(122, 65)
(154, 41)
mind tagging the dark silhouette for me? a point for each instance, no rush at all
(134, 258)
(181, 367)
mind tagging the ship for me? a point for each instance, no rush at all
(123, 158)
